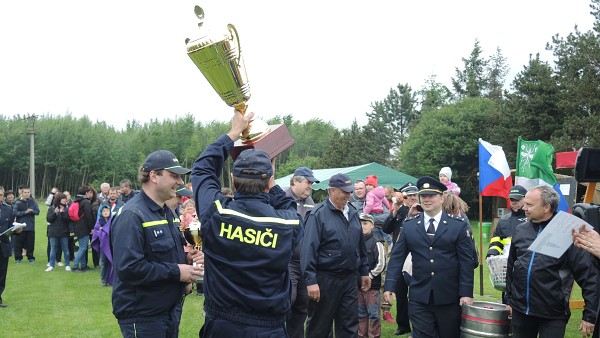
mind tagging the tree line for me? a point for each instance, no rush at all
(416, 131)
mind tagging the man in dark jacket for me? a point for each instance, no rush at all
(6, 221)
(25, 209)
(333, 254)
(393, 224)
(506, 226)
(151, 270)
(442, 258)
(248, 241)
(538, 286)
(300, 189)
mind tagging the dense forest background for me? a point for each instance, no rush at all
(416, 131)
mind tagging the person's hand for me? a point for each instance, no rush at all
(465, 300)
(509, 309)
(314, 293)
(188, 273)
(414, 211)
(366, 283)
(389, 297)
(588, 240)
(188, 288)
(586, 328)
(29, 211)
(239, 122)
(196, 257)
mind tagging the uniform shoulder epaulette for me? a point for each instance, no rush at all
(411, 218)
(460, 218)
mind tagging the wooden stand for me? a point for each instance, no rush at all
(274, 143)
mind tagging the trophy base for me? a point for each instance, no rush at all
(273, 143)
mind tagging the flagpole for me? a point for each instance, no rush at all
(480, 246)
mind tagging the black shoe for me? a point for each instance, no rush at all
(3, 305)
(84, 268)
(401, 332)
(75, 270)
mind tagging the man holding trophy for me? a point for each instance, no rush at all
(248, 241)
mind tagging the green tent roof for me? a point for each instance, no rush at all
(385, 176)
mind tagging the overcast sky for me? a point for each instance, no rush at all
(122, 60)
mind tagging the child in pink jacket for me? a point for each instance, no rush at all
(375, 199)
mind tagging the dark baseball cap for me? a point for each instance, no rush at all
(341, 181)
(164, 160)
(183, 191)
(253, 159)
(430, 186)
(307, 173)
(517, 192)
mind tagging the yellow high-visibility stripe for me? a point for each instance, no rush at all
(506, 240)
(154, 223)
(176, 220)
(496, 248)
(495, 239)
(225, 211)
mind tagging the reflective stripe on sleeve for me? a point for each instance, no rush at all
(277, 220)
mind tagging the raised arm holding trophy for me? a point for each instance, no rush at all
(219, 58)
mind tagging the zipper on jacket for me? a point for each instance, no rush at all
(529, 275)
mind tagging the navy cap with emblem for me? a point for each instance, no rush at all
(307, 173)
(430, 186)
(517, 192)
(183, 191)
(164, 160)
(341, 181)
(409, 189)
(254, 164)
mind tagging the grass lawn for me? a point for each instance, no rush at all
(68, 304)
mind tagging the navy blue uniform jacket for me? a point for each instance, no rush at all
(442, 265)
(147, 248)
(332, 244)
(247, 242)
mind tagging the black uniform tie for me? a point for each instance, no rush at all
(431, 228)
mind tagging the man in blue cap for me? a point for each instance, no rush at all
(333, 255)
(300, 189)
(442, 279)
(248, 241)
(151, 270)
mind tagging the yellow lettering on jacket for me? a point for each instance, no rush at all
(266, 239)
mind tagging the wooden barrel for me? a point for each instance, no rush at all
(485, 319)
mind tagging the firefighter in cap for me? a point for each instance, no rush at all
(248, 241)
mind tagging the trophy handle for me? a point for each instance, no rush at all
(241, 107)
(235, 35)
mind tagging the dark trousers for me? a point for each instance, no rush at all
(3, 271)
(216, 327)
(338, 303)
(297, 316)
(25, 239)
(432, 321)
(402, 305)
(163, 326)
(525, 326)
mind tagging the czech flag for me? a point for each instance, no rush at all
(494, 172)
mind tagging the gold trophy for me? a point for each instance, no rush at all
(219, 58)
(193, 232)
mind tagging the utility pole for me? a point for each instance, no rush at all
(31, 132)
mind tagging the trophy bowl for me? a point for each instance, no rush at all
(218, 56)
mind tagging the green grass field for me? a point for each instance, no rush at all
(68, 304)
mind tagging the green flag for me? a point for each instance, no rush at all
(534, 161)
